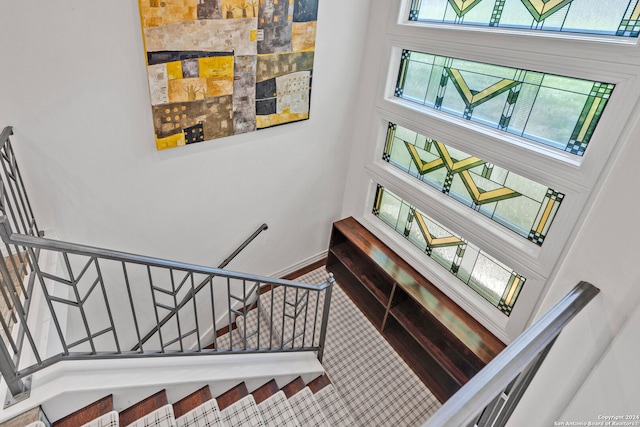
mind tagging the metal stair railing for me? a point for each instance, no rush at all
(187, 298)
(491, 396)
(101, 300)
(97, 301)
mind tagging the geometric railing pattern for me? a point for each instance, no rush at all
(102, 302)
(108, 304)
(552, 110)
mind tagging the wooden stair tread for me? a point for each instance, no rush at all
(319, 383)
(88, 413)
(293, 387)
(144, 407)
(231, 396)
(191, 401)
(264, 392)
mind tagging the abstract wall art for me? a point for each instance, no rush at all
(218, 68)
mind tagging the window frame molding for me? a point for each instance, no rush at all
(536, 38)
(504, 327)
(580, 170)
(577, 177)
(512, 248)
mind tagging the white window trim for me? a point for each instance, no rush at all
(472, 302)
(577, 177)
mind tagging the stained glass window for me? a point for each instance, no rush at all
(557, 111)
(518, 203)
(607, 17)
(490, 278)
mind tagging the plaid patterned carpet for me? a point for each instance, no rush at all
(376, 383)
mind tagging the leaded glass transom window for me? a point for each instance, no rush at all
(518, 203)
(490, 278)
(606, 17)
(560, 112)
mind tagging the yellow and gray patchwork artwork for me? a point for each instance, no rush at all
(218, 68)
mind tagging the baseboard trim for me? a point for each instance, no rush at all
(300, 266)
(306, 269)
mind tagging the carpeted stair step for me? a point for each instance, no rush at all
(89, 413)
(336, 411)
(277, 411)
(248, 322)
(294, 405)
(232, 396)
(293, 314)
(244, 412)
(208, 414)
(265, 391)
(161, 417)
(319, 383)
(110, 419)
(192, 401)
(250, 325)
(274, 406)
(307, 410)
(293, 387)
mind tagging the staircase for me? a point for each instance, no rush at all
(294, 404)
(63, 313)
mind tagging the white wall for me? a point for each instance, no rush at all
(605, 253)
(73, 85)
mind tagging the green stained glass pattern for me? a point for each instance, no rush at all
(601, 17)
(516, 202)
(490, 278)
(557, 111)
(630, 24)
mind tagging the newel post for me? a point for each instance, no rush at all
(325, 315)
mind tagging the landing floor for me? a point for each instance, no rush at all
(379, 386)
